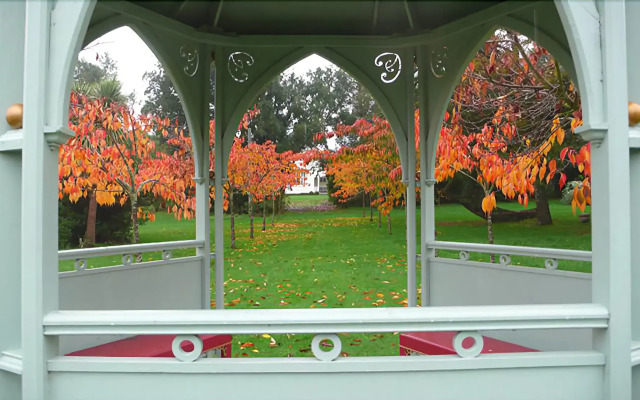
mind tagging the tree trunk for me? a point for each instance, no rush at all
(233, 221)
(543, 214)
(370, 209)
(136, 230)
(134, 220)
(364, 210)
(273, 211)
(250, 218)
(379, 220)
(90, 234)
(389, 223)
(264, 215)
(469, 194)
(490, 235)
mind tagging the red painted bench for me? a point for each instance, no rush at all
(155, 346)
(441, 343)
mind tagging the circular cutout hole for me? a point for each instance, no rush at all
(186, 346)
(326, 345)
(468, 343)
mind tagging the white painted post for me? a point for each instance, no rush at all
(611, 207)
(427, 211)
(410, 177)
(12, 24)
(202, 187)
(39, 209)
(218, 185)
(633, 82)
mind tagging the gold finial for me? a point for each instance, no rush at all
(634, 113)
(14, 116)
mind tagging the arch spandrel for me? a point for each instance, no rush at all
(241, 74)
(390, 88)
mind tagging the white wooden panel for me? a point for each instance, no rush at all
(454, 283)
(328, 380)
(171, 285)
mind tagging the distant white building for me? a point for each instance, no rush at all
(313, 180)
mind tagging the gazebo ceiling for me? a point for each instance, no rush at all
(365, 17)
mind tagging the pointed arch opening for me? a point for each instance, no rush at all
(130, 131)
(504, 147)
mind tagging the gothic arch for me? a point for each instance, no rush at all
(292, 57)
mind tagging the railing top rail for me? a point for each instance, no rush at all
(127, 249)
(540, 252)
(391, 319)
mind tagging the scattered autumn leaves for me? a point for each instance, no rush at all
(281, 269)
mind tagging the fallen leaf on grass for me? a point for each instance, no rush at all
(245, 345)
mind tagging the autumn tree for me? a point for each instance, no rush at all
(372, 166)
(111, 156)
(518, 102)
(259, 171)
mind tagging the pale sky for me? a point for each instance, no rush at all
(134, 58)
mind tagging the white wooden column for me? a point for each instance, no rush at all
(11, 74)
(633, 82)
(39, 209)
(611, 206)
(202, 185)
(427, 181)
(218, 186)
(410, 177)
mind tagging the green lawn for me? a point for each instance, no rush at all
(307, 200)
(340, 259)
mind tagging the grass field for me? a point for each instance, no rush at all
(340, 259)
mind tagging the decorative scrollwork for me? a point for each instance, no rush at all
(505, 259)
(326, 355)
(551, 263)
(439, 62)
(464, 255)
(166, 255)
(392, 65)
(127, 259)
(237, 63)
(192, 58)
(176, 348)
(470, 352)
(80, 264)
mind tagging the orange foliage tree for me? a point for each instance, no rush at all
(371, 167)
(260, 172)
(112, 157)
(508, 121)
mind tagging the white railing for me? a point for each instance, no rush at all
(551, 256)
(127, 252)
(346, 320)
(325, 324)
